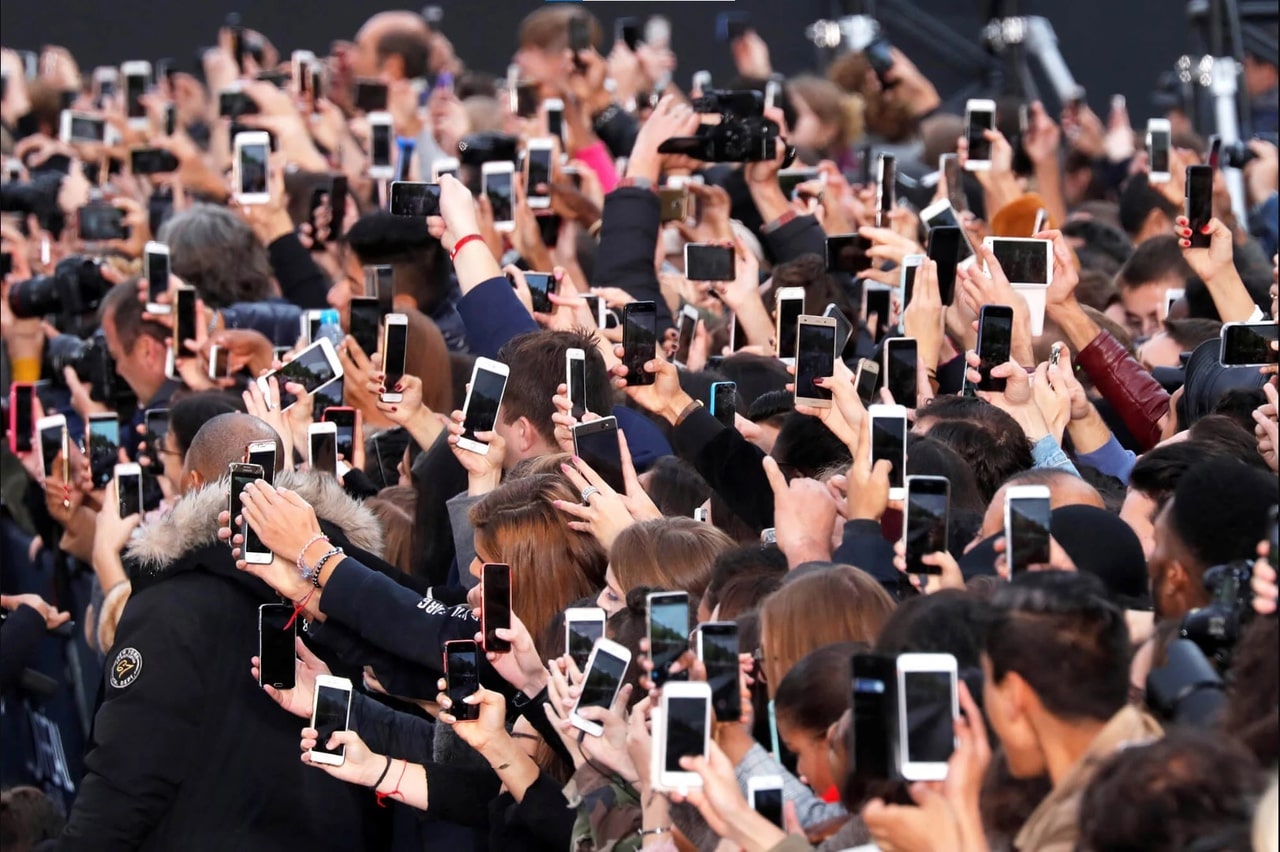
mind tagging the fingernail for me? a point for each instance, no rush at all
(394, 408)
(399, 388)
(1205, 229)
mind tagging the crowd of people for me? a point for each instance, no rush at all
(1119, 692)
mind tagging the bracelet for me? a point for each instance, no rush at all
(502, 766)
(315, 579)
(383, 776)
(457, 247)
(302, 566)
(649, 832)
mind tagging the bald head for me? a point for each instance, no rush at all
(396, 45)
(1065, 489)
(222, 441)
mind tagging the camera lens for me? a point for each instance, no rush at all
(35, 297)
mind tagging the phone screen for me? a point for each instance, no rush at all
(848, 253)
(577, 373)
(889, 441)
(879, 303)
(885, 189)
(104, 448)
(686, 730)
(979, 121)
(945, 250)
(926, 523)
(497, 188)
(597, 444)
(582, 636)
(23, 416)
(345, 420)
(157, 426)
(51, 443)
(1023, 262)
(908, 283)
(541, 284)
(1248, 344)
(788, 313)
(482, 404)
(330, 716)
(684, 338)
(496, 605)
(397, 344)
(265, 459)
(602, 680)
(253, 168)
(100, 222)
(324, 452)
(868, 376)
(724, 403)
(539, 164)
(902, 378)
(1158, 153)
(720, 656)
(1029, 529)
(639, 340)
(462, 669)
(371, 96)
(135, 86)
(995, 341)
(709, 263)
(930, 727)
(184, 325)
(366, 317)
(768, 803)
(380, 145)
(86, 128)
(555, 122)
(241, 476)
(157, 275)
(129, 491)
(311, 369)
(1199, 203)
(418, 200)
(815, 359)
(276, 645)
(668, 632)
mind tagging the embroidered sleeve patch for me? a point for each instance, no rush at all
(126, 668)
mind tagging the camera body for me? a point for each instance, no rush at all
(743, 134)
(1215, 627)
(92, 363)
(76, 287)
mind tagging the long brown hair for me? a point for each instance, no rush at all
(551, 565)
(829, 605)
(394, 508)
(667, 553)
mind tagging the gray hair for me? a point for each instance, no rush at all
(215, 251)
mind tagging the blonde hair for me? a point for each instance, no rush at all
(667, 553)
(832, 105)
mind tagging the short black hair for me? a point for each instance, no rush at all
(1063, 617)
(1192, 331)
(1154, 260)
(806, 447)
(1220, 510)
(1137, 199)
(993, 454)
(411, 46)
(1237, 405)
(1100, 238)
(191, 411)
(746, 560)
(947, 622)
(1156, 472)
(815, 691)
(676, 487)
(928, 456)
(771, 404)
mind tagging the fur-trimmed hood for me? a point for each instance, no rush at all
(193, 521)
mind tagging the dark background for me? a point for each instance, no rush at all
(1111, 46)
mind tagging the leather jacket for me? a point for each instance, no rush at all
(1132, 391)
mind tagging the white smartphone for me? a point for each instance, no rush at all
(219, 368)
(252, 550)
(1028, 511)
(1042, 221)
(322, 447)
(251, 167)
(772, 91)
(979, 116)
(81, 127)
(928, 705)
(606, 667)
(381, 145)
(787, 310)
(156, 270)
(1024, 260)
(575, 379)
(1159, 144)
(484, 398)
(1171, 295)
(129, 489)
(583, 626)
(300, 70)
(815, 359)
(395, 348)
(537, 170)
(309, 324)
(330, 713)
(553, 108)
(52, 433)
(496, 181)
(889, 441)
(313, 367)
(681, 729)
(263, 454)
(137, 76)
(686, 327)
(907, 284)
(764, 794)
(444, 166)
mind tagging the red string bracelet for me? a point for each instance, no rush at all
(457, 247)
(297, 610)
(396, 792)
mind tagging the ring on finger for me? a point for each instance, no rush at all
(587, 493)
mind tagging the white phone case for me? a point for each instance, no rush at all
(664, 778)
(330, 682)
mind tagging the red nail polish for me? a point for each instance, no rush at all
(399, 388)
(393, 408)
(1205, 229)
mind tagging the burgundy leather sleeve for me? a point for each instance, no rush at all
(1132, 391)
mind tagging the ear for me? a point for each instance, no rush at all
(194, 480)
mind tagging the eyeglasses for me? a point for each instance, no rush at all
(757, 659)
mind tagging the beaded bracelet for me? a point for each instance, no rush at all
(302, 566)
(315, 578)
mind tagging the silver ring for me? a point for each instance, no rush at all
(271, 406)
(589, 492)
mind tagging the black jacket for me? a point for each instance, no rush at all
(628, 236)
(187, 751)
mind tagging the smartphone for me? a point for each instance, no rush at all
(381, 146)
(1198, 205)
(1171, 296)
(184, 322)
(772, 91)
(252, 550)
(315, 366)
(627, 31)
(815, 359)
(718, 649)
(639, 341)
(901, 358)
(790, 179)
(575, 379)
(949, 165)
(462, 676)
(484, 398)
(889, 441)
(1247, 344)
(541, 286)
(137, 76)
(263, 454)
(724, 402)
(596, 442)
(668, 631)
(128, 479)
(681, 729)
(344, 419)
(979, 117)
(156, 426)
(874, 724)
(1027, 511)
(788, 307)
(886, 179)
(877, 301)
(53, 440)
(673, 205)
(251, 168)
(867, 380)
(299, 64)
(22, 419)
(370, 95)
(1159, 145)
(76, 127)
(583, 626)
(322, 447)
(928, 704)
(277, 632)
(310, 325)
(925, 522)
(553, 109)
(103, 447)
(701, 82)
(97, 221)
(848, 253)
(606, 667)
(394, 349)
(844, 328)
(444, 166)
(412, 198)
(537, 171)
(219, 363)
(496, 185)
(1023, 260)
(947, 248)
(995, 343)
(152, 161)
(157, 272)
(705, 262)
(764, 794)
(365, 318)
(686, 327)
(330, 713)
(907, 281)
(380, 284)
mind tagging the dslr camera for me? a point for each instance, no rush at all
(743, 134)
(93, 366)
(75, 288)
(1214, 628)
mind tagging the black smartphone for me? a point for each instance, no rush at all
(889, 441)
(170, 119)
(582, 627)
(156, 422)
(1199, 203)
(844, 328)
(944, 250)
(724, 402)
(152, 161)
(541, 286)
(365, 323)
(925, 524)
(412, 198)
(639, 341)
(704, 262)
(498, 189)
(103, 446)
(815, 357)
(263, 454)
(867, 380)
(22, 417)
(233, 103)
(718, 650)
(1027, 515)
(53, 440)
(337, 206)
(668, 626)
(241, 476)
(873, 728)
(157, 272)
(848, 253)
(128, 490)
(979, 121)
(277, 629)
(345, 419)
(322, 448)
(484, 399)
(395, 351)
(97, 221)
(184, 322)
(901, 357)
(370, 96)
(995, 344)
(495, 609)
(909, 271)
(879, 304)
(596, 443)
(1247, 344)
(627, 31)
(462, 672)
(886, 179)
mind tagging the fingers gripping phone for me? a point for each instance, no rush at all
(718, 649)
(668, 630)
(924, 528)
(276, 638)
(462, 675)
(330, 713)
(682, 728)
(928, 704)
(495, 610)
(815, 359)
(253, 551)
(764, 794)
(995, 344)
(889, 441)
(395, 349)
(1027, 513)
(639, 341)
(596, 442)
(484, 398)
(606, 667)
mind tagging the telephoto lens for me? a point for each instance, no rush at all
(75, 287)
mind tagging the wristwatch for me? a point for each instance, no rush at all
(637, 182)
